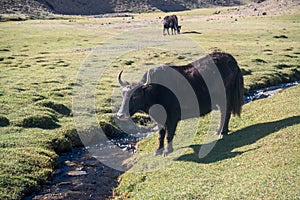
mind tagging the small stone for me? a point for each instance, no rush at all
(63, 183)
(77, 173)
(78, 168)
(70, 163)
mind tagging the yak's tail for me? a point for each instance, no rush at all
(238, 94)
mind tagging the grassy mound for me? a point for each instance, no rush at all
(40, 121)
(59, 108)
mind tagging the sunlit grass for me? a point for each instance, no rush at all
(39, 62)
(259, 159)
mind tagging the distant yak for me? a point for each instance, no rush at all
(171, 22)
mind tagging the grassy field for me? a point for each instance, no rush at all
(39, 62)
(258, 160)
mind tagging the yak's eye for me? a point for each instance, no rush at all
(135, 96)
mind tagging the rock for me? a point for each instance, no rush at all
(77, 173)
(49, 196)
(70, 163)
(63, 183)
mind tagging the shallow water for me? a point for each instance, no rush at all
(267, 92)
(79, 176)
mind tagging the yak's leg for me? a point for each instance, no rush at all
(169, 148)
(225, 129)
(223, 125)
(164, 31)
(170, 135)
(161, 137)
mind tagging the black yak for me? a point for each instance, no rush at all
(148, 92)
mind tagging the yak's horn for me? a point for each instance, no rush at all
(123, 84)
(148, 78)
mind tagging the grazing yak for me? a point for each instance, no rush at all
(171, 22)
(148, 92)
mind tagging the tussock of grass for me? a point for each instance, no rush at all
(40, 121)
(59, 108)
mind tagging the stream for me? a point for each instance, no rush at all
(81, 176)
(267, 92)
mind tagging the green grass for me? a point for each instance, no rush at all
(39, 62)
(258, 160)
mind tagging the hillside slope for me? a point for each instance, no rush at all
(108, 6)
(37, 8)
(92, 7)
(30, 7)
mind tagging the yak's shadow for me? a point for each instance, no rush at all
(249, 135)
(191, 32)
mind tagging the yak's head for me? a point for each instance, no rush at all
(178, 29)
(134, 98)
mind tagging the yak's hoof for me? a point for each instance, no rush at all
(167, 151)
(223, 135)
(158, 151)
